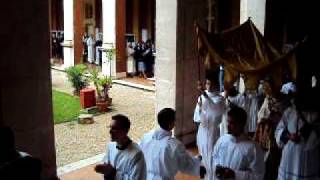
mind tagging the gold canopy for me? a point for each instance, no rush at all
(244, 50)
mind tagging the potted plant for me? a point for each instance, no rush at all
(76, 77)
(102, 85)
(106, 83)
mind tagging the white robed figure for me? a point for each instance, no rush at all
(131, 62)
(232, 99)
(300, 154)
(235, 156)
(208, 112)
(90, 44)
(124, 160)
(249, 101)
(164, 154)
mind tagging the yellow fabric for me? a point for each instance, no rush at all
(243, 50)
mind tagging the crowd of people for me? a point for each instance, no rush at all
(140, 59)
(282, 144)
(140, 55)
(56, 47)
(92, 48)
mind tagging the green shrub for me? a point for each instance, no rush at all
(76, 77)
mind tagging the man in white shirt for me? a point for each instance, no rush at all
(235, 156)
(124, 159)
(164, 154)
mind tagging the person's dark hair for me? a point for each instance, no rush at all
(166, 117)
(27, 167)
(213, 76)
(123, 121)
(239, 115)
(7, 138)
(232, 92)
(270, 81)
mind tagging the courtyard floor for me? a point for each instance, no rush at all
(75, 142)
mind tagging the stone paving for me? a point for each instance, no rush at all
(75, 142)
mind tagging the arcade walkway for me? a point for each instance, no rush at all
(87, 173)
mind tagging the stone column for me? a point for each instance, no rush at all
(176, 61)
(256, 9)
(165, 67)
(136, 20)
(78, 30)
(25, 90)
(109, 36)
(121, 46)
(68, 44)
(150, 18)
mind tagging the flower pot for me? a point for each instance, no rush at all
(109, 101)
(102, 106)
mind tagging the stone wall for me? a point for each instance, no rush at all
(254, 9)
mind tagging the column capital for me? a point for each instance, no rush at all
(106, 46)
(67, 43)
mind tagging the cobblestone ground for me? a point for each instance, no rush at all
(75, 142)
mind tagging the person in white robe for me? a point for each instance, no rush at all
(208, 113)
(251, 106)
(164, 154)
(124, 159)
(235, 156)
(131, 63)
(90, 44)
(296, 133)
(232, 98)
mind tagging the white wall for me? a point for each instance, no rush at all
(256, 9)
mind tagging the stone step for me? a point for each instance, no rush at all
(90, 110)
(85, 119)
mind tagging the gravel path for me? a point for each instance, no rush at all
(75, 142)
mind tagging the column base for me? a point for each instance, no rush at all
(108, 66)
(68, 54)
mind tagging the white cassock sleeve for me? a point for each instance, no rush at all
(187, 164)
(197, 111)
(138, 168)
(256, 168)
(264, 111)
(281, 127)
(106, 158)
